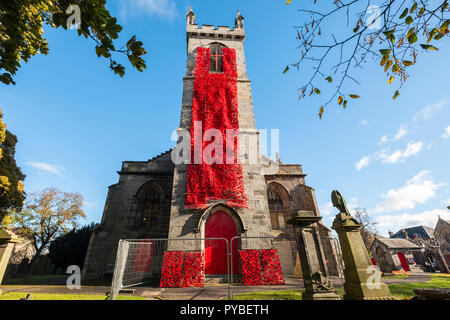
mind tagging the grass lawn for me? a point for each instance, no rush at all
(405, 290)
(399, 291)
(44, 296)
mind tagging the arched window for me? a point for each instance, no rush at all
(152, 205)
(276, 208)
(148, 204)
(216, 57)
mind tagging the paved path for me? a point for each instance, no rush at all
(209, 292)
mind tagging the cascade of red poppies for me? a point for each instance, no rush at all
(215, 106)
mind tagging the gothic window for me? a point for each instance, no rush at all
(276, 208)
(216, 58)
(149, 205)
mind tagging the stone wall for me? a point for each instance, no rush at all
(119, 215)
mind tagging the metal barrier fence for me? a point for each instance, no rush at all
(141, 262)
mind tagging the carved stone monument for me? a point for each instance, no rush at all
(312, 258)
(7, 241)
(362, 279)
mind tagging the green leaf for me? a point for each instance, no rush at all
(385, 52)
(345, 104)
(396, 95)
(428, 47)
(405, 12)
(409, 20)
(286, 70)
(412, 38)
(413, 8)
(329, 79)
(316, 90)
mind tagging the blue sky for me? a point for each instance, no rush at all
(76, 121)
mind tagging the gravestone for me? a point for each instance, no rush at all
(312, 258)
(362, 279)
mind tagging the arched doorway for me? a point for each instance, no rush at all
(219, 225)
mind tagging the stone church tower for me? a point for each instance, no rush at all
(149, 201)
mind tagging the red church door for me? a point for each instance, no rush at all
(402, 258)
(220, 225)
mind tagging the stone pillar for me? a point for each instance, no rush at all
(314, 269)
(362, 280)
(7, 241)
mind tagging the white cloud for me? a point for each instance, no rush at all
(55, 169)
(416, 191)
(446, 134)
(428, 111)
(400, 134)
(162, 8)
(405, 220)
(361, 164)
(412, 149)
(326, 209)
(363, 123)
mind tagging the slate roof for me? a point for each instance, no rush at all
(398, 243)
(420, 231)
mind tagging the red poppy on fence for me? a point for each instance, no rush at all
(172, 269)
(251, 268)
(194, 269)
(273, 274)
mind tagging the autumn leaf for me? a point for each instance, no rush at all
(340, 100)
(288, 2)
(321, 112)
(396, 95)
(407, 63)
(391, 79)
(354, 96)
(329, 79)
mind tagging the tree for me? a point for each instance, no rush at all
(393, 35)
(47, 215)
(21, 32)
(70, 248)
(11, 177)
(368, 228)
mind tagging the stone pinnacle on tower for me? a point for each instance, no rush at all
(190, 16)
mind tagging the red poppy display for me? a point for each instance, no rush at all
(176, 274)
(194, 269)
(172, 269)
(273, 274)
(250, 268)
(215, 106)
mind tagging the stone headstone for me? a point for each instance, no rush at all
(362, 279)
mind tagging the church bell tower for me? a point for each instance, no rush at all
(252, 219)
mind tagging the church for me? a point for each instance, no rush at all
(253, 200)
